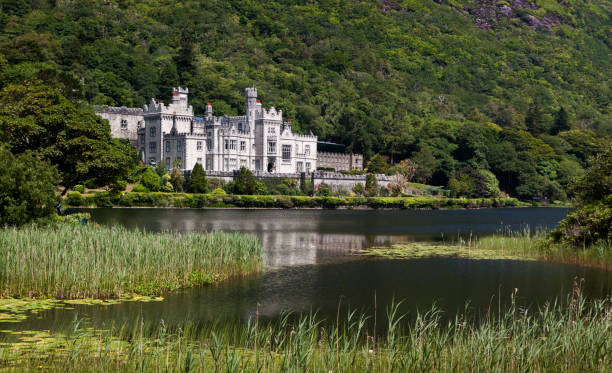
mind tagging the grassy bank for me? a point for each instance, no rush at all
(573, 337)
(510, 245)
(72, 261)
(129, 199)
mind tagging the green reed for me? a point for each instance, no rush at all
(569, 337)
(73, 261)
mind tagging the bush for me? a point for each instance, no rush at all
(75, 199)
(80, 188)
(358, 189)
(139, 188)
(371, 186)
(214, 183)
(323, 190)
(27, 188)
(151, 180)
(219, 191)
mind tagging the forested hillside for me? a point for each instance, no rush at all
(520, 88)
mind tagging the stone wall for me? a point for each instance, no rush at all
(340, 161)
(336, 180)
(131, 118)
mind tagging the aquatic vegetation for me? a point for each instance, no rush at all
(521, 245)
(573, 336)
(73, 261)
(428, 250)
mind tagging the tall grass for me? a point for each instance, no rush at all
(569, 337)
(73, 261)
(526, 243)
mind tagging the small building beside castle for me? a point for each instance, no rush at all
(261, 140)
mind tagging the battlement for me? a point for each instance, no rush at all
(270, 114)
(250, 92)
(118, 110)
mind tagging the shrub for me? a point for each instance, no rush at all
(358, 189)
(151, 180)
(80, 188)
(219, 191)
(323, 190)
(139, 188)
(214, 183)
(75, 199)
(371, 186)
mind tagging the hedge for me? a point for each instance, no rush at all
(160, 199)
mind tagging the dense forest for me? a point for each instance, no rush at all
(519, 88)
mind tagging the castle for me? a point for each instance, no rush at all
(171, 134)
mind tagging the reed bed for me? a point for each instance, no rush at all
(569, 337)
(71, 261)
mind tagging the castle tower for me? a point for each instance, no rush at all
(180, 95)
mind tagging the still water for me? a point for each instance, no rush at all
(311, 265)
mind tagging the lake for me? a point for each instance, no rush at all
(311, 265)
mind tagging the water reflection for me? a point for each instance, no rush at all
(301, 237)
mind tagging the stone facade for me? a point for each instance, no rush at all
(340, 161)
(171, 134)
(124, 121)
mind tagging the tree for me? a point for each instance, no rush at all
(371, 185)
(358, 189)
(561, 123)
(177, 179)
(407, 169)
(27, 188)
(78, 142)
(378, 164)
(426, 163)
(596, 183)
(197, 180)
(534, 119)
(246, 183)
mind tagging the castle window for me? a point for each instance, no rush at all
(243, 163)
(152, 147)
(307, 166)
(233, 144)
(300, 167)
(209, 144)
(240, 127)
(271, 147)
(286, 153)
(199, 160)
(168, 146)
(271, 130)
(242, 146)
(179, 146)
(199, 146)
(123, 124)
(307, 150)
(152, 131)
(233, 164)
(142, 139)
(209, 164)
(168, 162)
(226, 144)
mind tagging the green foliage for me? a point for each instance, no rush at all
(79, 143)
(219, 192)
(358, 189)
(80, 188)
(139, 188)
(371, 185)
(419, 81)
(197, 180)
(591, 222)
(75, 199)
(151, 180)
(378, 164)
(323, 190)
(474, 183)
(27, 188)
(246, 183)
(177, 180)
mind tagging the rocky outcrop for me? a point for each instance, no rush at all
(487, 13)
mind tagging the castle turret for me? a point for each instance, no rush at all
(251, 98)
(180, 95)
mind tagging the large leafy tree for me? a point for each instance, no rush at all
(27, 188)
(39, 118)
(197, 180)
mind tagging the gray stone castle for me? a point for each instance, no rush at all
(173, 136)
